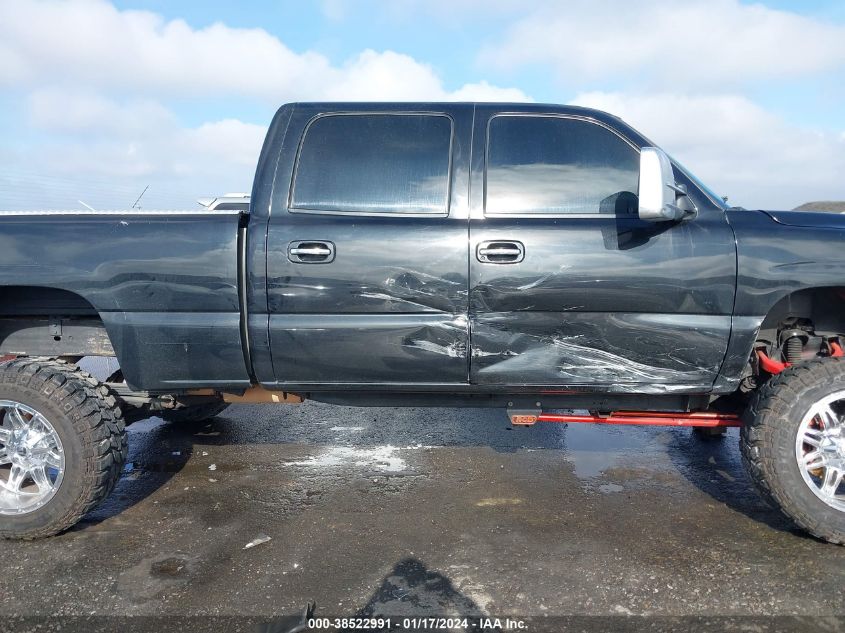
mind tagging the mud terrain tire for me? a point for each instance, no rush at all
(85, 416)
(768, 444)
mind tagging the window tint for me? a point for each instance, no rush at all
(382, 163)
(558, 165)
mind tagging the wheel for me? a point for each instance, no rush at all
(193, 413)
(62, 446)
(793, 445)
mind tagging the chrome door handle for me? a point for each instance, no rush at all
(500, 252)
(310, 252)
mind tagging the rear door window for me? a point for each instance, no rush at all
(374, 163)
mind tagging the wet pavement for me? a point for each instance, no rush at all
(424, 512)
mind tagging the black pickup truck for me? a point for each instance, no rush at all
(545, 259)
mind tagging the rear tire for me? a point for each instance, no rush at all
(784, 426)
(82, 450)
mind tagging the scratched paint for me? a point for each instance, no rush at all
(624, 353)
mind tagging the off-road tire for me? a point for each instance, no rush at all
(88, 421)
(767, 443)
(193, 413)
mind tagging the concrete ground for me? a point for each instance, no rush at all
(424, 512)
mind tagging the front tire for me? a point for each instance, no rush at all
(62, 446)
(793, 445)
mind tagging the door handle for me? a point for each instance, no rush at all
(500, 252)
(316, 250)
(310, 252)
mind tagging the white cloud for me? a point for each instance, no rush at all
(105, 152)
(98, 83)
(95, 82)
(63, 112)
(90, 43)
(483, 91)
(388, 76)
(736, 147)
(678, 73)
(690, 43)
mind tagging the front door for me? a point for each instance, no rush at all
(367, 255)
(568, 287)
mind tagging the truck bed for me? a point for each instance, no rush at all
(164, 283)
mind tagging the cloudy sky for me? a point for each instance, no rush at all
(99, 99)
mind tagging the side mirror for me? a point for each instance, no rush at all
(659, 195)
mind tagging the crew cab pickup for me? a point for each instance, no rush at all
(545, 259)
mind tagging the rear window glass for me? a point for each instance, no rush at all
(374, 163)
(556, 165)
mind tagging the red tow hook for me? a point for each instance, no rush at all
(836, 350)
(772, 366)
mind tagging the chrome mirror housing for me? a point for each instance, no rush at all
(658, 193)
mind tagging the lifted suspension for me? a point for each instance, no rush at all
(774, 367)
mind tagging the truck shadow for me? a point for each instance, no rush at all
(714, 466)
(157, 452)
(317, 424)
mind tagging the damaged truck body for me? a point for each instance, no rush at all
(542, 259)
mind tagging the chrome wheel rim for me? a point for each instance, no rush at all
(820, 450)
(32, 460)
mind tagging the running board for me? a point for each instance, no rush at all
(642, 418)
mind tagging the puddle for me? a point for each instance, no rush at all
(592, 449)
(153, 577)
(168, 567)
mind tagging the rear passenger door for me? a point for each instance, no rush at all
(367, 251)
(568, 286)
